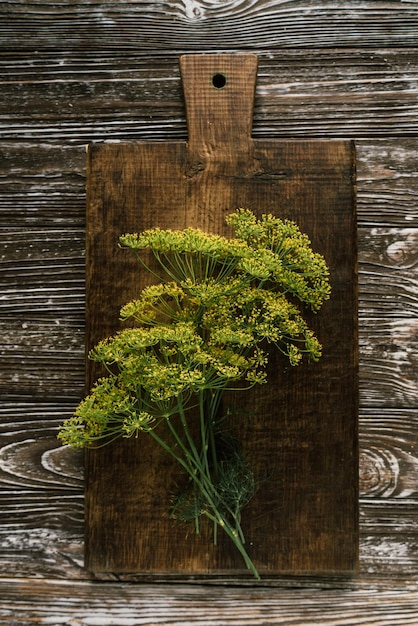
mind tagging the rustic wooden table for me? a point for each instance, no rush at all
(76, 72)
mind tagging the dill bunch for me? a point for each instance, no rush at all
(208, 324)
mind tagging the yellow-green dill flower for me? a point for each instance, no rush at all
(136, 422)
(313, 347)
(73, 434)
(286, 255)
(227, 335)
(156, 304)
(254, 268)
(256, 377)
(188, 240)
(294, 354)
(99, 414)
(211, 291)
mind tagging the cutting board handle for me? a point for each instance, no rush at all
(219, 97)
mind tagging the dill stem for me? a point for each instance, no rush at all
(192, 464)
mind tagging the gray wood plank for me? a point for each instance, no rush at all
(77, 603)
(199, 25)
(323, 92)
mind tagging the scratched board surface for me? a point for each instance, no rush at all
(302, 430)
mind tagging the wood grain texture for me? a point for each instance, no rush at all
(75, 72)
(80, 603)
(43, 184)
(348, 93)
(387, 277)
(193, 25)
(389, 347)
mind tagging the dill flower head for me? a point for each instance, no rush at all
(287, 255)
(133, 424)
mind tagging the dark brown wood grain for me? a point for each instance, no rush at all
(300, 520)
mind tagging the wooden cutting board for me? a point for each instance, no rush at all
(302, 436)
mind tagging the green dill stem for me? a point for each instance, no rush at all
(190, 267)
(208, 441)
(233, 535)
(212, 412)
(214, 402)
(195, 458)
(147, 267)
(193, 466)
(217, 518)
(164, 266)
(211, 429)
(186, 430)
(204, 433)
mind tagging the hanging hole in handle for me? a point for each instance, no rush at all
(218, 81)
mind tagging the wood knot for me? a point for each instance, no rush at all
(193, 10)
(194, 169)
(403, 251)
(379, 472)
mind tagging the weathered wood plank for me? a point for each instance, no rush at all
(43, 271)
(388, 285)
(42, 358)
(387, 182)
(41, 493)
(389, 454)
(341, 93)
(388, 460)
(196, 25)
(43, 185)
(42, 551)
(77, 603)
(388, 367)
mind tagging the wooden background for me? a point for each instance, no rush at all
(74, 72)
